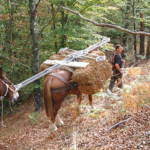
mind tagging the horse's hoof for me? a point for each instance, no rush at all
(79, 110)
(92, 107)
(52, 128)
(60, 123)
(88, 109)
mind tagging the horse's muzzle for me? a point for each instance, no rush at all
(15, 97)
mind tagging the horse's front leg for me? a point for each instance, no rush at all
(79, 99)
(10, 108)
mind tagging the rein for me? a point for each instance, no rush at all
(7, 87)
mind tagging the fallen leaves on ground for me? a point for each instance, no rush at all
(87, 131)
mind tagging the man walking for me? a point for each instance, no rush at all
(117, 65)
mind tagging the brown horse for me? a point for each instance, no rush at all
(56, 88)
(7, 90)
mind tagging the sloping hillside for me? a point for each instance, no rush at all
(128, 109)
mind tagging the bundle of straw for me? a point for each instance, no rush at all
(90, 79)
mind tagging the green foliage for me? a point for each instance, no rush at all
(94, 112)
(63, 29)
(143, 78)
(142, 57)
(32, 118)
(103, 94)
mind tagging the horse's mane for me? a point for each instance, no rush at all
(2, 74)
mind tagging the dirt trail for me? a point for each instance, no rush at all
(88, 131)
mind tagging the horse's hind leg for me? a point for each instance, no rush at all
(53, 124)
(79, 99)
(58, 121)
(52, 127)
(90, 102)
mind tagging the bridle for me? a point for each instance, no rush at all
(7, 88)
(1, 98)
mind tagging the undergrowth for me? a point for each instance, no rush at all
(137, 92)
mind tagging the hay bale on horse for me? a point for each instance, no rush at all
(92, 78)
(63, 81)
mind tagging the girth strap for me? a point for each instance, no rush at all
(59, 77)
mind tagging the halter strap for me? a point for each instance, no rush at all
(6, 90)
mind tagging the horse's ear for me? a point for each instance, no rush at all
(87, 45)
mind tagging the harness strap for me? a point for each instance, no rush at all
(6, 90)
(6, 87)
(64, 88)
(59, 77)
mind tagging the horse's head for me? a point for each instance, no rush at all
(7, 89)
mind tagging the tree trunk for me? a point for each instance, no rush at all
(11, 36)
(127, 24)
(35, 55)
(135, 51)
(148, 48)
(142, 37)
(11, 30)
(63, 21)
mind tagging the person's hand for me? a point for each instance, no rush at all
(121, 72)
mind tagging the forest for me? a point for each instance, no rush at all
(33, 30)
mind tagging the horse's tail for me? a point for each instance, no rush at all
(48, 103)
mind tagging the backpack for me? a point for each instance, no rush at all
(111, 60)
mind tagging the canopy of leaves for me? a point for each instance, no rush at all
(58, 28)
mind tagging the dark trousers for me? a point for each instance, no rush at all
(115, 77)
